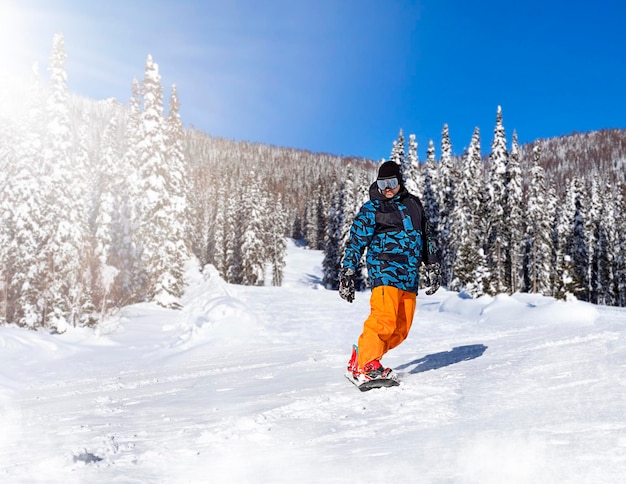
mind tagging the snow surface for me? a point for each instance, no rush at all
(245, 385)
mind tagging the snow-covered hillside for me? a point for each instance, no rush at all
(245, 385)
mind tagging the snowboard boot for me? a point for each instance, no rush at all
(353, 364)
(375, 371)
(372, 371)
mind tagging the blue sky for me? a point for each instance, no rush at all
(344, 76)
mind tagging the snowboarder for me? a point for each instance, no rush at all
(392, 225)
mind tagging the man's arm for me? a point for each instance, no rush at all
(361, 234)
(429, 253)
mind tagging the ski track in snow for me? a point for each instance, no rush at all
(245, 384)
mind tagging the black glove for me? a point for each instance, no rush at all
(432, 277)
(346, 284)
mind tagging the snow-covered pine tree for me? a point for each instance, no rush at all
(448, 180)
(332, 244)
(554, 206)
(253, 245)
(311, 217)
(321, 210)
(316, 210)
(572, 253)
(112, 254)
(497, 247)
(361, 195)
(21, 205)
(83, 159)
(278, 244)
(105, 267)
(7, 158)
(130, 277)
(515, 219)
(219, 234)
(175, 153)
(538, 239)
(204, 232)
(608, 244)
(398, 151)
(469, 263)
(63, 290)
(577, 247)
(351, 204)
(298, 225)
(179, 188)
(413, 175)
(233, 236)
(619, 250)
(159, 226)
(86, 192)
(593, 226)
(21, 241)
(431, 190)
(207, 209)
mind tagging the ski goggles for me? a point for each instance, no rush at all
(385, 183)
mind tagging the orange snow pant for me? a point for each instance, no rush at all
(388, 324)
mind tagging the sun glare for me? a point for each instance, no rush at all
(13, 48)
(15, 67)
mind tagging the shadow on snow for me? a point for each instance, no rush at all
(445, 358)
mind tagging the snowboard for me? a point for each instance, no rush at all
(369, 385)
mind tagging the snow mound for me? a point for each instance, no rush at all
(19, 342)
(212, 313)
(519, 309)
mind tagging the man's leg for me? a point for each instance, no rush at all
(380, 325)
(406, 310)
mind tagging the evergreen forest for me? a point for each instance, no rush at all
(522, 218)
(107, 203)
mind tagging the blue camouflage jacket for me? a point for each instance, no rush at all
(394, 231)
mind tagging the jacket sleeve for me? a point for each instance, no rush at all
(429, 255)
(361, 234)
(429, 246)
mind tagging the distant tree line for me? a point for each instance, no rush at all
(248, 197)
(579, 154)
(504, 229)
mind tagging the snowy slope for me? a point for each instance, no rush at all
(245, 385)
